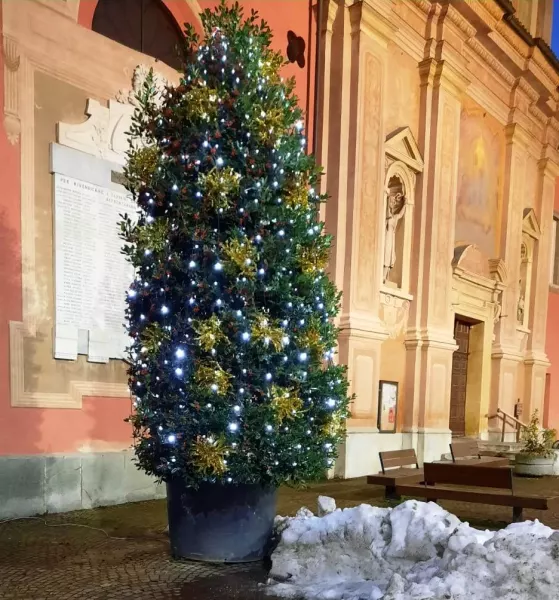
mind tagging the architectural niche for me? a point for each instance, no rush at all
(530, 235)
(403, 163)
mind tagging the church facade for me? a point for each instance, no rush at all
(436, 123)
(439, 138)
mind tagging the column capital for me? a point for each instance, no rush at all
(372, 17)
(445, 74)
(429, 338)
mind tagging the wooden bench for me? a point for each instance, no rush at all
(467, 453)
(397, 466)
(436, 475)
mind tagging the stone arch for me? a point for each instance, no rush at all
(146, 26)
(401, 171)
(183, 11)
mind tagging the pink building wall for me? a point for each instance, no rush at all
(100, 424)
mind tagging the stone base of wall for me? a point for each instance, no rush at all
(359, 454)
(38, 484)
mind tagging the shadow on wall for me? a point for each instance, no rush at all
(108, 431)
(21, 427)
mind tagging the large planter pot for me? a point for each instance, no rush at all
(220, 523)
(533, 466)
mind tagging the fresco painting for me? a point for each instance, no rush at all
(479, 180)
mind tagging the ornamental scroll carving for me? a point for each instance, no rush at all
(105, 133)
(394, 312)
(12, 63)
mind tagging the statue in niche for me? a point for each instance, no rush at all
(395, 210)
(520, 305)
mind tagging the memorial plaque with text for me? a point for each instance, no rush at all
(91, 274)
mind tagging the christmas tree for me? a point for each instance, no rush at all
(230, 313)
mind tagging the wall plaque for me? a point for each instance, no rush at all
(387, 406)
(91, 274)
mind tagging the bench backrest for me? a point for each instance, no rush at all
(470, 475)
(398, 458)
(464, 449)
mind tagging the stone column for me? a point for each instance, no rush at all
(355, 178)
(536, 361)
(430, 342)
(506, 354)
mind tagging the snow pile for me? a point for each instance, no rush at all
(417, 551)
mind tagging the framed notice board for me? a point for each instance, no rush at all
(387, 406)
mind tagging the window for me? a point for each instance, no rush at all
(143, 25)
(554, 275)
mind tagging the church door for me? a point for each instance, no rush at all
(459, 378)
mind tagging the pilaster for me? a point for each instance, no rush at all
(506, 352)
(352, 150)
(536, 362)
(430, 342)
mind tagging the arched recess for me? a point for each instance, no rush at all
(403, 163)
(183, 11)
(146, 26)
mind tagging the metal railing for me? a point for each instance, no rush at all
(506, 419)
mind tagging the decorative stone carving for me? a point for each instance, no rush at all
(12, 62)
(403, 162)
(105, 133)
(394, 312)
(520, 304)
(395, 209)
(138, 79)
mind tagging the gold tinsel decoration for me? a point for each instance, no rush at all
(271, 67)
(220, 187)
(313, 259)
(311, 339)
(202, 102)
(153, 236)
(297, 192)
(212, 377)
(241, 255)
(152, 336)
(269, 124)
(142, 164)
(210, 333)
(334, 427)
(208, 455)
(266, 331)
(285, 402)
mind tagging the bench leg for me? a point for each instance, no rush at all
(390, 493)
(516, 514)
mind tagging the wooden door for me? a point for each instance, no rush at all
(459, 380)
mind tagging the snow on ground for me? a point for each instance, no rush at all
(416, 551)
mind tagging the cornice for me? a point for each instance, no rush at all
(487, 57)
(487, 10)
(512, 38)
(461, 22)
(528, 89)
(424, 5)
(540, 59)
(365, 17)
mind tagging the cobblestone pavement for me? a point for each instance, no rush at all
(121, 552)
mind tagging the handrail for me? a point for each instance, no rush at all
(499, 410)
(518, 425)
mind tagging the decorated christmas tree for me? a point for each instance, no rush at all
(230, 313)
